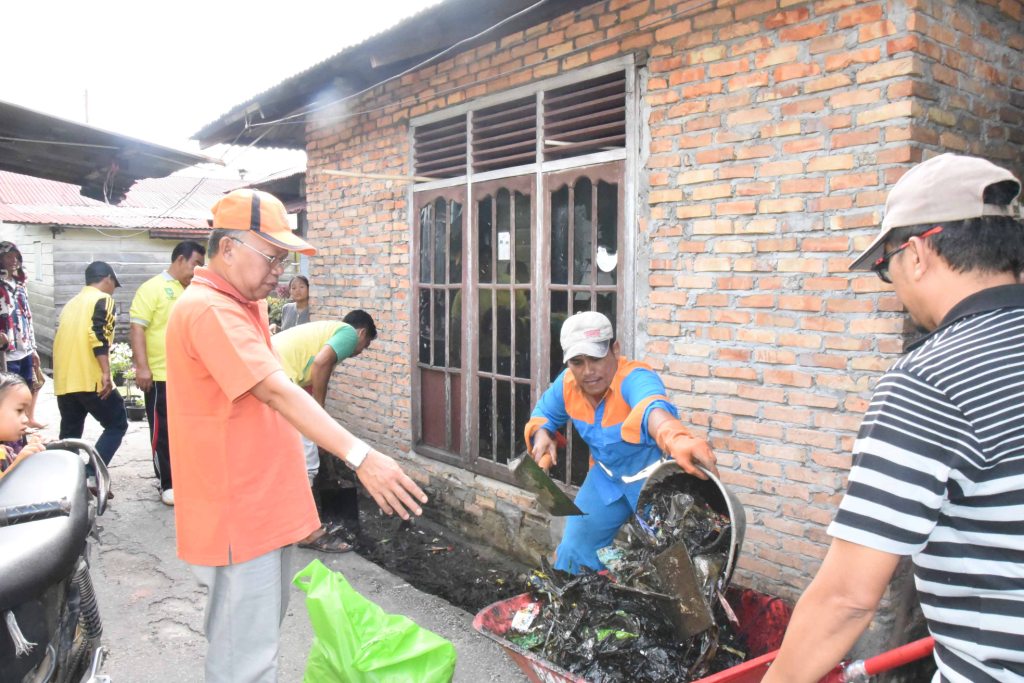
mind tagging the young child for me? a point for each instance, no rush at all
(15, 399)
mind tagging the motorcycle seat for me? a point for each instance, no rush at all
(35, 555)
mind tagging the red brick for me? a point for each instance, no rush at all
(735, 208)
(748, 116)
(855, 98)
(905, 66)
(715, 18)
(803, 185)
(789, 205)
(788, 72)
(788, 377)
(781, 55)
(803, 31)
(861, 15)
(805, 106)
(780, 168)
(827, 83)
(874, 30)
(787, 18)
(864, 56)
(774, 356)
(855, 138)
(804, 144)
(719, 69)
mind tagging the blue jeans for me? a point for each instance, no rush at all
(109, 412)
(22, 367)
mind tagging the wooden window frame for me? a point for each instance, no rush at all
(539, 174)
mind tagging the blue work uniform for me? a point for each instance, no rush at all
(620, 445)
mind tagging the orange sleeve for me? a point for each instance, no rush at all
(669, 431)
(632, 426)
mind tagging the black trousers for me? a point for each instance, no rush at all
(156, 414)
(109, 412)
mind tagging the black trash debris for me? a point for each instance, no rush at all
(657, 614)
(436, 561)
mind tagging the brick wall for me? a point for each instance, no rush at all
(771, 132)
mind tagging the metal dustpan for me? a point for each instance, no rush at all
(532, 478)
(675, 572)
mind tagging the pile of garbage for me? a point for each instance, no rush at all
(657, 614)
(436, 561)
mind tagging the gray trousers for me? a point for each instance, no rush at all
(312, 453)
(245, 606)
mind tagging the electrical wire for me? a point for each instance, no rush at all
(5, 138)
(414, 99)
(249, 125)
(409, 70)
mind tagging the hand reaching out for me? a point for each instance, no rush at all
(390, 487)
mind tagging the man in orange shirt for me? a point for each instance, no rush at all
(241, 493)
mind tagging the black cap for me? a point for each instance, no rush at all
(97, 270)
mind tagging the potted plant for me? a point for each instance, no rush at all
(134, 402)
(120, 358)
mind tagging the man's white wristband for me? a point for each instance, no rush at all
(357, 455)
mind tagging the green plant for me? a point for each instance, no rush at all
(121, 360)
(276, 300)
(275, 307)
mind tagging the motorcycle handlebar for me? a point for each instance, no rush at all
(19, 514)
(98, 466)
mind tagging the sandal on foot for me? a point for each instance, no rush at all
(327, 543)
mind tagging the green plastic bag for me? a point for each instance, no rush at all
(358, 642)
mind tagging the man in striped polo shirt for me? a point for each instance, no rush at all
(939, 460)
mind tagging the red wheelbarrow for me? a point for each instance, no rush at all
(763, 619)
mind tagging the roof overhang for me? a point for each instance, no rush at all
(289, 186)
(102, 163)
(408, 44)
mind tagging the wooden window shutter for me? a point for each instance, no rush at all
(585, 117)
(440, 148)
(505, 135)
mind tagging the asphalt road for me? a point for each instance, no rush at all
(152, 607)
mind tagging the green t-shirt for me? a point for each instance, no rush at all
(297, 346)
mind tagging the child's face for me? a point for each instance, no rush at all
(13, 416)
(297, 290)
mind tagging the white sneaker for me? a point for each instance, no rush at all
(167, 497)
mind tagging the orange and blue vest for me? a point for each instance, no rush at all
(615, 430)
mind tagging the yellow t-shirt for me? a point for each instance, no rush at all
(297, 346)
(151, 308)
(85, 329)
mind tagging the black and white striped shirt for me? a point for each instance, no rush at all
(939, 476)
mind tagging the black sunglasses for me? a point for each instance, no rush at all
(881, 266)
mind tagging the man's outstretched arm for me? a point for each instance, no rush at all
(383, 478)
(833, 612)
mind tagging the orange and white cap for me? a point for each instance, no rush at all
(263, 214)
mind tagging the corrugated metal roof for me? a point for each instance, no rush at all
(178, 203)
(100, 162)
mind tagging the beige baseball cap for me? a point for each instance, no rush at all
(945, 188)
(586, 334)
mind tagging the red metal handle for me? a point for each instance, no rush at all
(899, 656)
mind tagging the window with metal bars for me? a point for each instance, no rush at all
(488, 337)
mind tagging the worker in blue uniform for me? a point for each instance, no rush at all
(620, 410)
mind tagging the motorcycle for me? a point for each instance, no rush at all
(50, 624)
